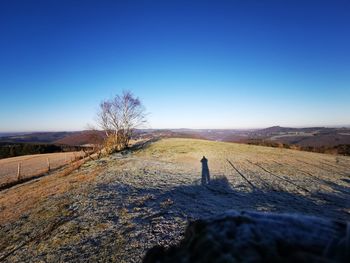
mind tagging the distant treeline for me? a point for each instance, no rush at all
(343, 149)
(17, 149)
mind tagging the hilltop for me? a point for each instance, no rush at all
(119, 206)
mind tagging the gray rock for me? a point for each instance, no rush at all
(259, 237)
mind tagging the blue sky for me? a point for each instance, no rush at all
(194, 64)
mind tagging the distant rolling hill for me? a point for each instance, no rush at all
(7, 134)
(305, 137)
(81, 138)
(310, 136)
(35, 137)
(278, 130)
(313, 136)
(63, 138)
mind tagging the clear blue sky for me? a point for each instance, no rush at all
(195, 64)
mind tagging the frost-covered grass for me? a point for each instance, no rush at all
(122, 205)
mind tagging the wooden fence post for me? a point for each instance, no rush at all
(48, 164)
(19, 171)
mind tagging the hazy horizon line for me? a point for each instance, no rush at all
(184, 128)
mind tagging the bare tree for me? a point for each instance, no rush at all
(119, 117)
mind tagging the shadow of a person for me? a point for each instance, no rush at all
(205, 171)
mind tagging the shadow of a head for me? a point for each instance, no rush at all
(220, 183)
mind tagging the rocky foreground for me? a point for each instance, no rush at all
(258, 237)
(116, 208)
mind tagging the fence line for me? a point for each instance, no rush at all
(19, 171)
(29, 167)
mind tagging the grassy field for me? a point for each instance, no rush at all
(260, 165)
(32, 165)
(115, 208)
